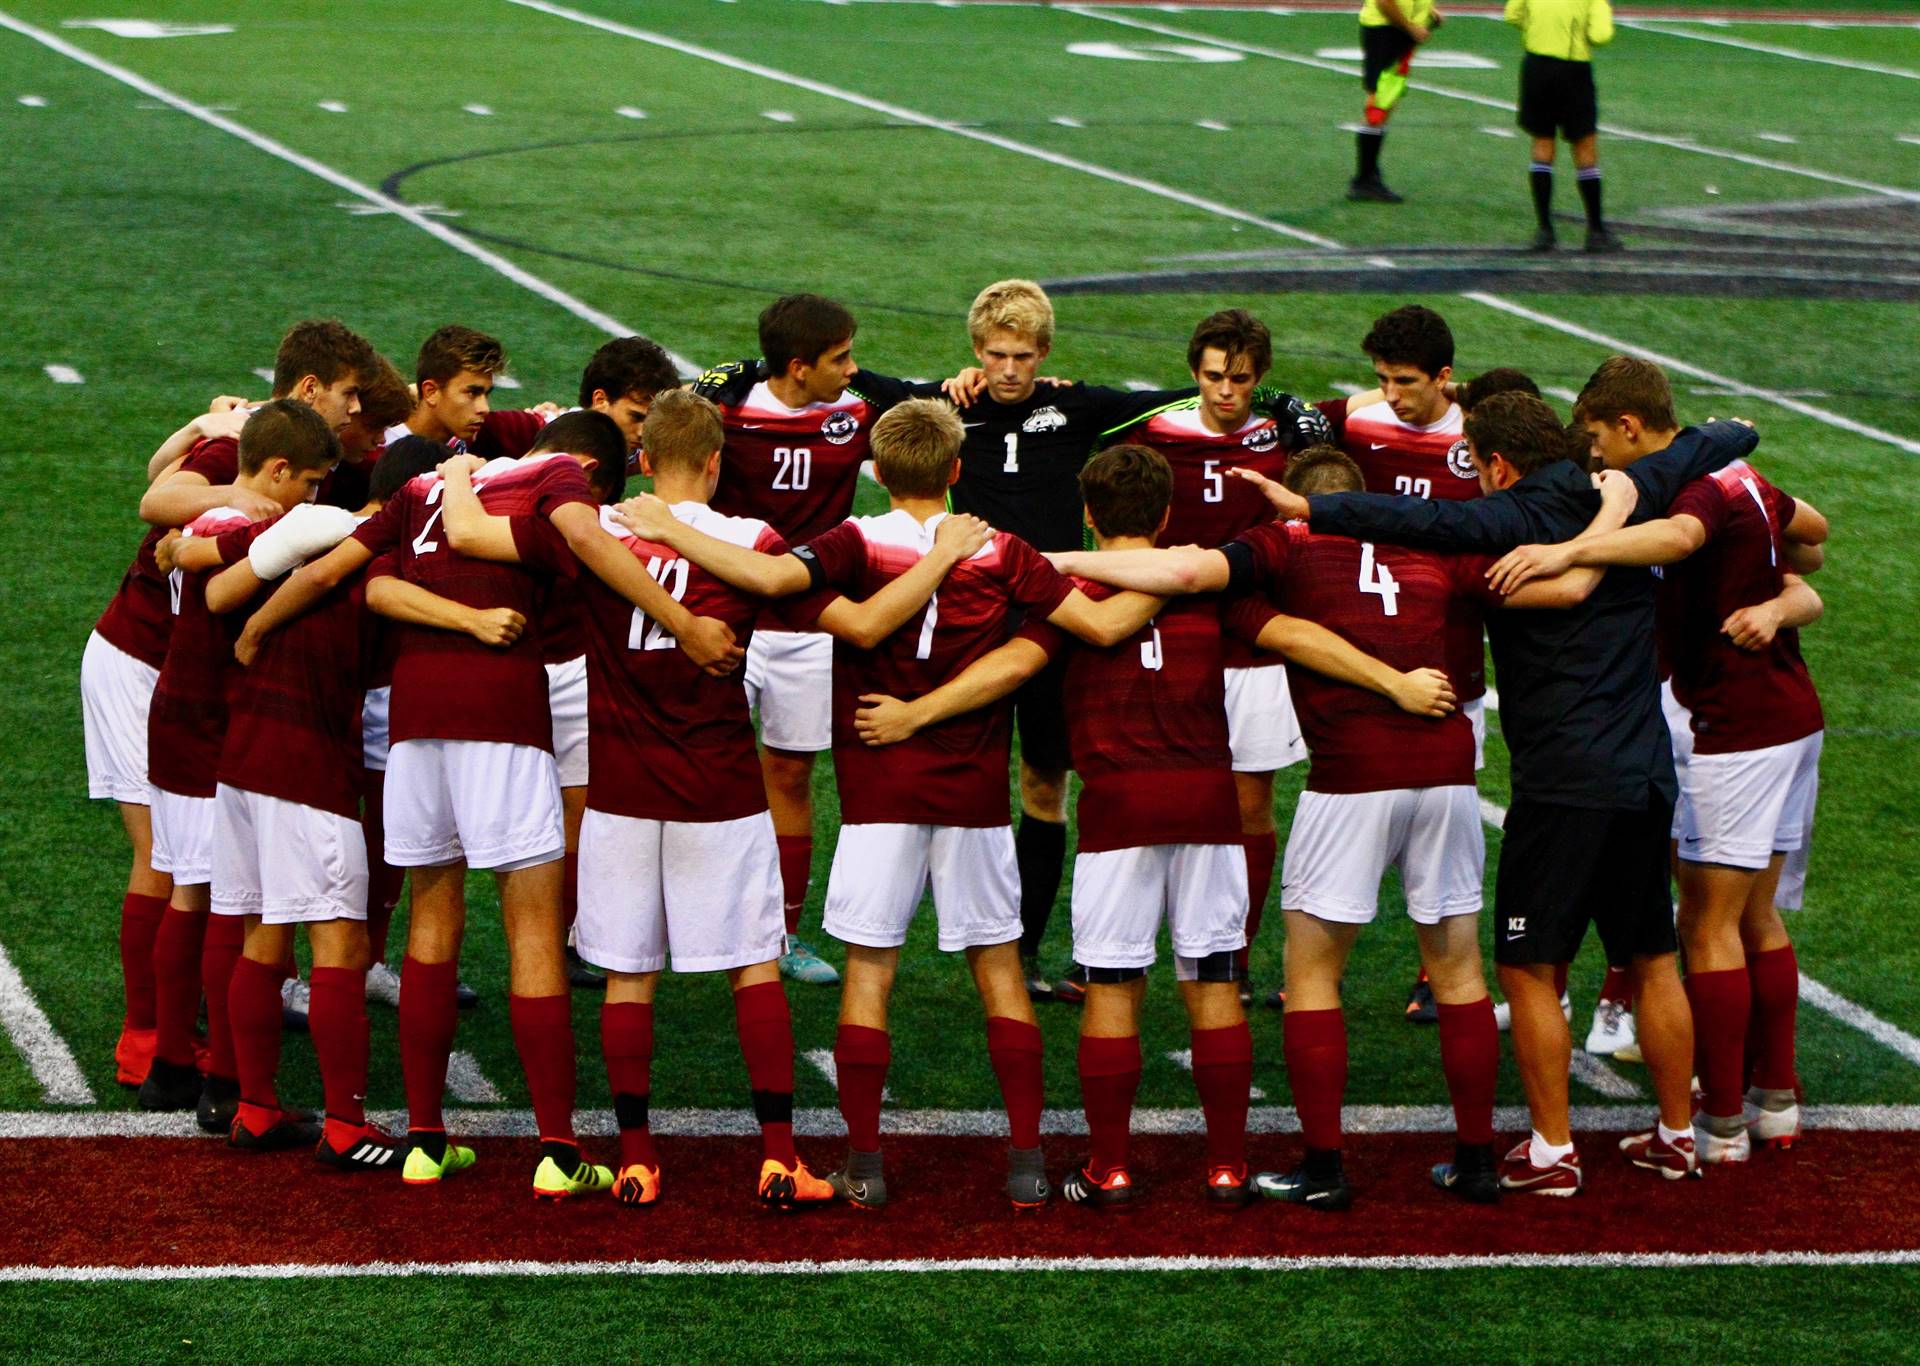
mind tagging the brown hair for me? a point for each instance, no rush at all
(384, 398)
(624, 366)
(1324, 469)
(1523, 430)
(914, 447)
(1627, 384)
(287, 429)
(455, 348)
(1235, 332)
(327, 349)
(802, 327)
(1411, 335)
(1502, 379)
(1127, 490)
(1018, 306)
(683, 430)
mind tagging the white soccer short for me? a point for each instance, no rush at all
(1342, 843)
(567, 696)
(1680, 736)
(286, 863)
(789, 677)
(116, 692)
(1120, 897)
(374, 746)
(880, 872)
(1741, 809)
(183, 836)
(1476, 711)
(706, 891)
(1262, 731)
(495, 805)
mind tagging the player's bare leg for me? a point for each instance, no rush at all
(573, 810)
(1223, 1077)
(1713, 903)
(788, 775)
(1469, 1052)
(1040, 850)
(1315, 1039)
(1261, 843)
(141, 911)
(428, 1014)
(1013, 1047)
(1542, 1047)
(1773, 1080)
(626, 1042)
(862, 1051)
(1665, 1024)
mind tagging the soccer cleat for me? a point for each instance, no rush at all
(383, 985)
(1422, 1008)
(1612, 1028)
(861, 1181)
(1503, 1013)
(423, 1169)
(1717, 1140)
(790, 1188)
(1601, 240)
(219, 1102)
(1471, 1175)
(1629, 1052)
(1771, 1124)
(1027, 1185)
(285, 1132)
(1114, 1191)
(1371, 190)
(295, 999)
(1543, 240)
(1674, 1161)
(800, 963)
(1246, 993)
(637, 1184)
(581, 976)
(171, 1086)
(1323, 1190)
(1038, 987)
(551, 1181)
(1228, 1188)
(464, 996)
(1072, 989)
(133, 1055)
(369, 1149)
(1517, 1172)
(1276, 999)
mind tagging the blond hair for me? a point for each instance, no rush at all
(682, 430)
(1019, 306)
(914, 447)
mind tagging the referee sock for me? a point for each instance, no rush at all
(1109, 1079)
(253, 1014)
(337, 1019)
(1470, 1058)
(1366, 142)
(1540, 177)
(219, 951)
(796, 866)
(860, 1059)
(429, 1011)
(626, 1041)
(1223, 1075)
(139, 923)
(1588, 179)
(1013, 1046)
(1721, 1001)
(1040, 851)
(1775, 979)
(765, 1024)
(543, 1037)
(1316, 1050)
(176, 983)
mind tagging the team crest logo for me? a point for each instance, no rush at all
(1262, 438)
(840, 427)
(1459, 461)
(1047, 419)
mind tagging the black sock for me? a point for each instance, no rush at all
(565, 1155)
(1588, 179)
(432, 1142)
(1367, 144)
(629, 1110)
(1040, 851)
(772, 1107)
(1540, 176)
(1323, 1163)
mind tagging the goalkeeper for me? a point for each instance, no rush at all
(1389, 32)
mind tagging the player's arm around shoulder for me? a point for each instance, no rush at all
(1106, 622)
(883, 720)
(1164, 573)
(472, 530)
(1308, 644)
(751, 571)
(398, 600)
(865, 624)
(1795, 605)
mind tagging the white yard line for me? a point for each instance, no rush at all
(1595, 1075)
(466, 246)
(823, 1063)
(1771, 50)
(1827, 999)
(44, 1051)
(467, 1083)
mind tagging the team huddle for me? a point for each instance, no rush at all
(1175, 594)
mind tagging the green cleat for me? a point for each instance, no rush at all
(423, 1169)
(801, 964)
(552, 1182)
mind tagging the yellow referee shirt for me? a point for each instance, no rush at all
(1567, 29)
(1418, 11)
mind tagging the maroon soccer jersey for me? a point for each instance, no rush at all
(954, 773)
(140, 616)
(1394, 604)
(200, 676)
(562, 621)
(665, 740)
(446, 684)
(1740, 699)
(507, 433)
(1147, 726)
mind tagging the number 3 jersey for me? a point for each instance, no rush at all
(954, 773)
(666, 740)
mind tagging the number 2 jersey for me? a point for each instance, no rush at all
(954, 773)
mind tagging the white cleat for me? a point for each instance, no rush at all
(1612, 1029)
(1715, 1148)
(1503, 1014)
(1776, 1128)
(383, 984)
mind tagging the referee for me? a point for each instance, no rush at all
(1557, 96)
(1389, 32)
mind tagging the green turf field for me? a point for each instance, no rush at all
(899, 156)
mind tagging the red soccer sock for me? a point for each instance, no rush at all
(1618, 986)
(796, 866)
(570, 886)
(1774, 978)
(1560, 978)
(253, 1014)
(626, 1040)
(1260, 851)
(1013, 1046)
(337, 1019)
(176, 983)
(1316, 1048)
(219, 951)
(860, 1057)
(1109, 1079)
(139, 924)
(1721, 1002)
(1470, 1058)
(543, 1036)
(1223, 1075)
(429, 1011)
(765, 1023)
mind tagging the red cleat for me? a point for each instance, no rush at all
(133, 1055)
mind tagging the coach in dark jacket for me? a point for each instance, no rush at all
(1593, 782)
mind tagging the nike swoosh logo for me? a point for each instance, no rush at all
(1377, 445)
(971, 425)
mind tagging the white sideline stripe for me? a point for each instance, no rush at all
(468, 1083)
(1572, 1261)
(1827, 999)
(491, 259)
(1686, 144)
(64, 374)
(1595, 1075)
(44, 1051)
(1182, 1058)
(824, 1123)
(1795, 54)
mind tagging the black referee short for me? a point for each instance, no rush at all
(1040, 711)
(1382, 47)
(1564, 866)
(1557, 95)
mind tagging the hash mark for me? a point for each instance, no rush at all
(1066, 121)
(1786, 139)
(64, 374)
(334, 106)
(481, 109)
(34, 101)
(627, 111)
(779, 116)
(1212, 125)
(1494, 130)
(264, 373)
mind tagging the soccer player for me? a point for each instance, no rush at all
(797, 425)
(318, 363)
(286, 449)
(1148, 718)
(1557, 96)
(622, 379)
(1202, 437)
(1586, 837)
(1389, 32)
(454, 376)
(1731, 640)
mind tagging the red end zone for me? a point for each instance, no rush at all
(118, 1202)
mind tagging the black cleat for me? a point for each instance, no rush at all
(219, 1102)
(1422, 1008)
(1114, 1193)
(372, 1149)
(284, 1133)
(1038, 987)
(1328, 1190)
(171, 1086)
(1072, 989)
(580, 976)
(1472, 1175)
(1229, 1188)
(1601, 240)
(1543, 240)
(1371, 190)
(464, 996)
